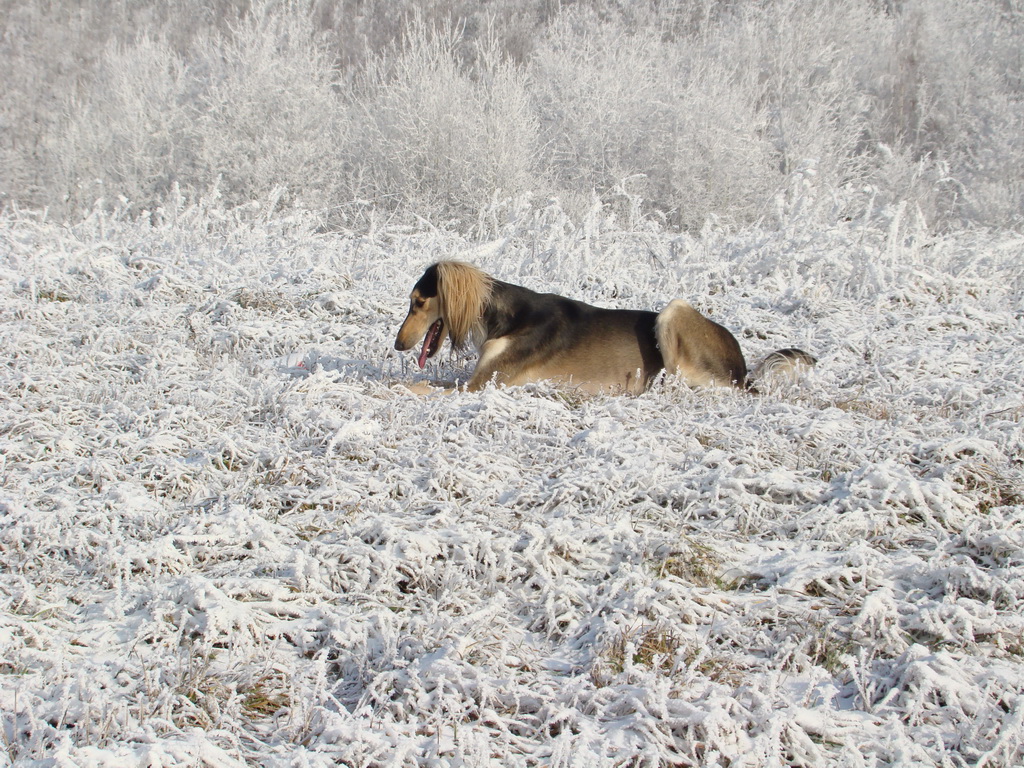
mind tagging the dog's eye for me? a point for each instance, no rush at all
(419, 303)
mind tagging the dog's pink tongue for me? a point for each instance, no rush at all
(433, 334)
(422, 360)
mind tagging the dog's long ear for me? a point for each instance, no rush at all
(464, 292)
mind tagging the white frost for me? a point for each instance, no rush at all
(229, 536)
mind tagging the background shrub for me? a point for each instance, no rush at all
(441, 135)
(439, 108)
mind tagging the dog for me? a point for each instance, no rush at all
(522, 336)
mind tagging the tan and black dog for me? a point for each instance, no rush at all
(523, 336)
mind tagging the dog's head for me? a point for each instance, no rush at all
(425, 319)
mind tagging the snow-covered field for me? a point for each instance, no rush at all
(229, 536)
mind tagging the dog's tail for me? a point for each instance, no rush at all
(780, 365)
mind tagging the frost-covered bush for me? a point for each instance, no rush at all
(619, 106)
(267, 114)
(252, 111)
(438, 108)
(801, 68)
(951, 99)
(131, 134)
(441, 137)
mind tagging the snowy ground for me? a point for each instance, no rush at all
(228, 536)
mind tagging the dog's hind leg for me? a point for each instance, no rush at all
(699, 350)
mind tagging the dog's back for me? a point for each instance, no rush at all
(580, 345)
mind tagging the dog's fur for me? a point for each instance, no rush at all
(523, 336)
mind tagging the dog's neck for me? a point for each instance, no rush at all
(502, 313)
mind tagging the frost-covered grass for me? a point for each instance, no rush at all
(228, 536)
